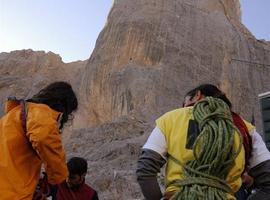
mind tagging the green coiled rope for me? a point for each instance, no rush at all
(214, 154)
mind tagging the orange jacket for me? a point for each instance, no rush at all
(21, 155)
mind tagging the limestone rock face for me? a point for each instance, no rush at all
(151, 52)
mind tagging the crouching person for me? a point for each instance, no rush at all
(75, 187)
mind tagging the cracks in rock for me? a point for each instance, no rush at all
(229, 19)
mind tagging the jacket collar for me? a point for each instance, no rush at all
(12, 102)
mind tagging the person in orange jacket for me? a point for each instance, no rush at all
(30, 137)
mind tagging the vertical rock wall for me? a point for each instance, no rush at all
(151, 52)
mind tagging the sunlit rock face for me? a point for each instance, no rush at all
(151, 52)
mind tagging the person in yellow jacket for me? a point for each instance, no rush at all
(172, 141)
(30, 137)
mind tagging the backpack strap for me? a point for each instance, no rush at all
(43, 189)
(23, 115)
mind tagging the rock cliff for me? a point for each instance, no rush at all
(146, 58)
(151, 52)
(148, 55)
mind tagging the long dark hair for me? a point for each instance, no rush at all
(209, 90)
(58, 96)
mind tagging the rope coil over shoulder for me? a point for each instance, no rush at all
(214, 154)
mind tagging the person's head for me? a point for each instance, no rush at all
(77, 168)
(58, 96)
(202, 91)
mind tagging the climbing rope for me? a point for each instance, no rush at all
(214, 154)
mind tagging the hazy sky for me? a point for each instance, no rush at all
(66, 27)
(70, 27)
(256, 17)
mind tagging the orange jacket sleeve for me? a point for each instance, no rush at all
(43, 133)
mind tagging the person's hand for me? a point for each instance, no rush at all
(43, 197)
(168, 195)
(247, 180)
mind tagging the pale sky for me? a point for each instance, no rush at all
(70, 27)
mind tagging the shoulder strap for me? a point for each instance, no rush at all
(23, 116)
(247, 141)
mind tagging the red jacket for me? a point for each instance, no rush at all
(84, 192)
